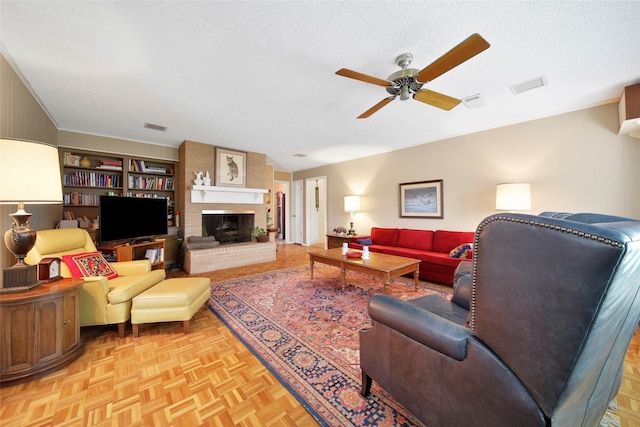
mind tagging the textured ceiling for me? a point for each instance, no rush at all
(259, 76)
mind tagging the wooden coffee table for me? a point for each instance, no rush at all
(378, 265)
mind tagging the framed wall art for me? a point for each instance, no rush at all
(231, 168)
(421, 199)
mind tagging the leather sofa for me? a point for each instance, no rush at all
(431, 247)
(553, 307)
(102, 301)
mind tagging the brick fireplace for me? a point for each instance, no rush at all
(192, 202)
(228, 226)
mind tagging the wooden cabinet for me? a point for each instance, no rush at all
(336, 241)
(153, 251)
(40, 329)
(89, 174)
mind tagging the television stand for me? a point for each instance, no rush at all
(136, 251)
(141, 240)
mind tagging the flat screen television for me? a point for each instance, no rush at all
(131, 218)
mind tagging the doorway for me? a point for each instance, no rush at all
(282, 202)
(297, 215)
(316, 211)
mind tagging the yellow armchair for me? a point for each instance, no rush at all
(102, 301)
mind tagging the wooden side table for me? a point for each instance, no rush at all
(336, 240)
(40, 329)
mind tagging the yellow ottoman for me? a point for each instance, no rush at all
(172, 300)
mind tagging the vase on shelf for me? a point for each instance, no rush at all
(85, 162)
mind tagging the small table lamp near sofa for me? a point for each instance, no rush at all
(351, 205)
(29, 173)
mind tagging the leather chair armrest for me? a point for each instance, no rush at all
(126, 268)
(420, 325)
(462, 292)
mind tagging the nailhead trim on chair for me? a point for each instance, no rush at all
(476, 248)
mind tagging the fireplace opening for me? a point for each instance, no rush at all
(228, 226)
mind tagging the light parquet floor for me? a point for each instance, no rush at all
(208, 377)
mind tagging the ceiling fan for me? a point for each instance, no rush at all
(409, 81)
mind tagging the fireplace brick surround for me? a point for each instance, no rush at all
(195, 156)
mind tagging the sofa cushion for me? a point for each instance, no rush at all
(415, 239)
(384, 236)
(445, 241)
(89, 264)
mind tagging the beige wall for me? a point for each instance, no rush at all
(22, 117)
(575, 162)
(125, 147)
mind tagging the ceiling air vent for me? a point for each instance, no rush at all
(474, 101)
(155, 127)
(528, 85)
(299, 155)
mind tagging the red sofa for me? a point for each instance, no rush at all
(431, 247)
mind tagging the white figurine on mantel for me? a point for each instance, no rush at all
(207, 179)
(198, 180)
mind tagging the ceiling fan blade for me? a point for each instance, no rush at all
(436, 99)
(467, 49)
(362, 77)
(376, 107)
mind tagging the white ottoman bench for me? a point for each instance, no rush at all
(172, 300)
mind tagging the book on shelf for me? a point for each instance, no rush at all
(141, 166)
(69, 159)
(154, 255)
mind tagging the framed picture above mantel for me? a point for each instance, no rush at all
(421, 199)
(231, 168)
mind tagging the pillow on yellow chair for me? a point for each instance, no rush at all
(89, 264)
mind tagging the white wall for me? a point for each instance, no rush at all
(575, 162)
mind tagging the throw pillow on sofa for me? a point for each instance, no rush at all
(461, 251)
(89, 264)
(364, 241)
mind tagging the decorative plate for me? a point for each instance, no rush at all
(354, 254)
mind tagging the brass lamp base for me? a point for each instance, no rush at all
(19, 240)
(351, 231)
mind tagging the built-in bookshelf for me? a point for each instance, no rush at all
(86, 175)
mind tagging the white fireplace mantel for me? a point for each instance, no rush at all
(213, 194)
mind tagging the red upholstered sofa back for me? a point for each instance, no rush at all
(445, 241)
(385, 236)
(415, 239)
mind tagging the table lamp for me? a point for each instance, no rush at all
(29, 174)
(515, 196)
(351, 205)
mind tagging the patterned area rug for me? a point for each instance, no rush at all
(306, 333)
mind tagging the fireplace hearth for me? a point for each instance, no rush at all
(228, 226)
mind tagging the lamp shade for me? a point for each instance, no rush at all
(29, 173)
(351, 203)
(513, 196)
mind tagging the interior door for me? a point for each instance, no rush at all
(297, 214)
(316, 211)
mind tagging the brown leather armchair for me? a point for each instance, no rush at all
(553, 307)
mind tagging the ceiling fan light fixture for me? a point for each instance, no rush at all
(404, 93)
(408, 82)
